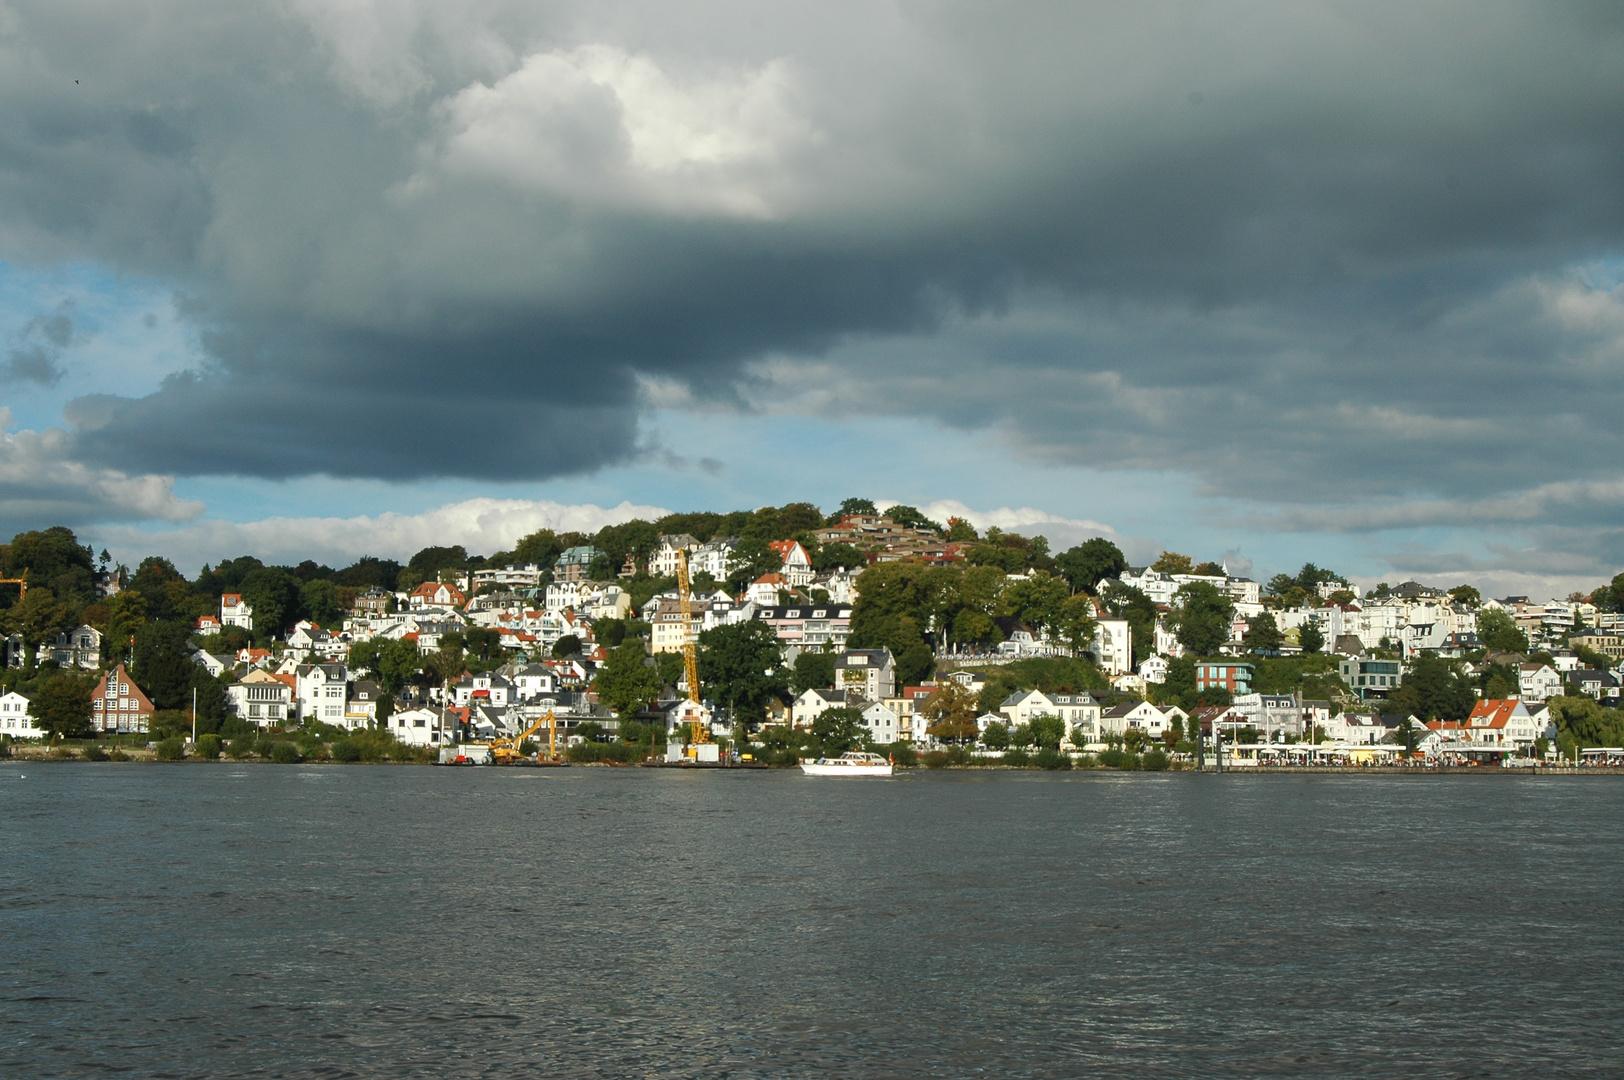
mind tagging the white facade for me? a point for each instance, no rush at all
(15, 720)
(262, 699)
(714, 558)
(322, 689)
(1154, 669)
(1113, 646)
(234, 612)
(812, 704)
(1538, 682)
(871, 672)
(420, 727)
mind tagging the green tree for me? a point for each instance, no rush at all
(916, 664)
(741, 668)
(1310, 637)
(830, 556)
(1499, 632)
(1047, 731)
(318, 599)
(39, 617)
(53, 559)
(849, 507)
(1435, 689)
(996, 737)
(1171, 562)
(483, 643)
(1091, 562)
(1201, 618)
(1465, 594)
(568, 645)
(62, 705)
(749, 561)
(1263, 634)
(273, 594)
(127, 613)
(839, 730)
(812, 671)
(1077, 623)
(162, 664)
(627, 683)
(1584, 723)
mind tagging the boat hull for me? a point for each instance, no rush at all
(825, 768)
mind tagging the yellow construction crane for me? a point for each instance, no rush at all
(20, 582)
(506, 751)
(690, 662)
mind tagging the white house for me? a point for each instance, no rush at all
(79, 648)
(1141, 716)
(871, 672)
(714, 558)
(1077, 710)
(663, 563)
(812, 704)
(797, 569)
(322, 690)
(489, 689)
(262, 699)
(234, 612)
(883, 723)
(420, 727)
(15, 720)
(533, 681)
(1538, 682)
(1154, 669)
(1113, 646)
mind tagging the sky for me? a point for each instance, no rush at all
(1266, 283)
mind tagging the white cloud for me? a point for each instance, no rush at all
(40, 483)
(1061, 532)
(481, 525)
(601, 125)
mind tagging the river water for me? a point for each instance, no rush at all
(224, 920)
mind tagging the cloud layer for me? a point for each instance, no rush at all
(482, 526)
(1352, 264)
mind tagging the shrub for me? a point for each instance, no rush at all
(63, 753)
(316, 751)
(1050, 758)
(208, 746)
(241, 747)
(934, 759)
(5, 748)
(618, 752)
(285, 753)
(172, 749)
(1017, 758)
(118, 754)
(1155, 761)
(903, 755)
(1118, 759)
(94, 752)
(346, 750)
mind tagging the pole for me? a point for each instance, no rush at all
(194, 716)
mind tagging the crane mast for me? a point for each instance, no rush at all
(690, 662)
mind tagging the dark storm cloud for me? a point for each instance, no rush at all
(1318, 255)
(38, 347)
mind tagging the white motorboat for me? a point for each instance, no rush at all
(852, 764)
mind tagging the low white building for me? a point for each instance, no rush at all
(1077, 710)
(1154, 669)
(883, 723)
(421, 727)
(16, 722)
(1140, 716)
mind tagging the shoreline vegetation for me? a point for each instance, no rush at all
(376, 751)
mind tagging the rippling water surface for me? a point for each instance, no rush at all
(218, 920)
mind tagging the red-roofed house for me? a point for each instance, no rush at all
(797, 564)
(765, 589)
(437, 594)
(207, 624)
(1496, 725)
(233, 612)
